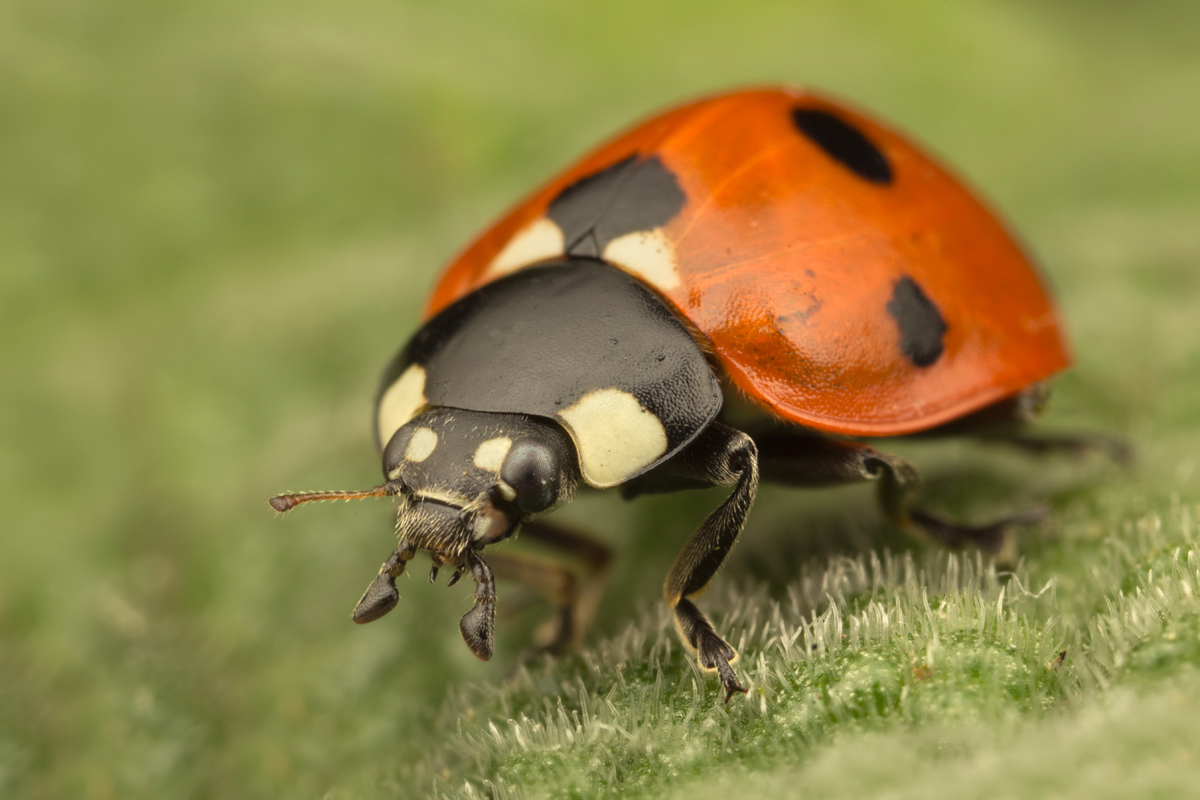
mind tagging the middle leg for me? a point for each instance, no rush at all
(797, 459)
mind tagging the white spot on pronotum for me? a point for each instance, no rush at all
(400, 402)
(421, 445)
(490, 455)
(616, 436)
(537, 241)
(647, 254)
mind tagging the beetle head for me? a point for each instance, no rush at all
(464, 479)
(468, 478)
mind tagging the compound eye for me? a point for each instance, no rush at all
(531, 469)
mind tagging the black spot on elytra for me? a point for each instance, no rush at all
(631, 195)
(844, 143)
(921, 324)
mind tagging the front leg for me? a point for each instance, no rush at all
(720, 456)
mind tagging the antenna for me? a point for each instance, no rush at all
(286, 502)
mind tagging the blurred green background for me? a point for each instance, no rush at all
(218, 220)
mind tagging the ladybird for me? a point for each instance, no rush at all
(739, 289)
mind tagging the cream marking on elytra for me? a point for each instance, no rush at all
(490, 455)
(421, 445)
(647, 254)
(616, 436)
(400, 402)
(537, 241)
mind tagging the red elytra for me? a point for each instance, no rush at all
(787, 259)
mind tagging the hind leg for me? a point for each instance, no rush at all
(1009, 422)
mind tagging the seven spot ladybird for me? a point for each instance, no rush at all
(769, 250)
